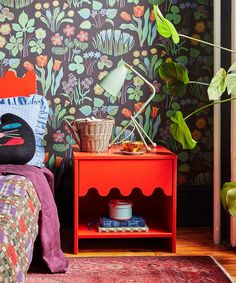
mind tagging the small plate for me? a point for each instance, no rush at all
(133, 153)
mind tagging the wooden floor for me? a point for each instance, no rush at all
(190, 241)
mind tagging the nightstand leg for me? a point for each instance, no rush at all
(76, 207)
(75, 226)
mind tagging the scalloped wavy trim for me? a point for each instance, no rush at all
(124, 192)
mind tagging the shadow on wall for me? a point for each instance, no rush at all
(64, 197)
(195, 206)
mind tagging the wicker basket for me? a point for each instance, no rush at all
(94, 135)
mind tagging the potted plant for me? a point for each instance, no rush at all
(176, 77)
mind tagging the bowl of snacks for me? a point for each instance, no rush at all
(133, 147)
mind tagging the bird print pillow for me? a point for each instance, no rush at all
(17, 141)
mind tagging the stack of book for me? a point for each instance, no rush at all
(135, 224)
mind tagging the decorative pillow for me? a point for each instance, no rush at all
(34, 110)
(17, 142)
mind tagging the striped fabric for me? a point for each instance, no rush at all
(19, 209)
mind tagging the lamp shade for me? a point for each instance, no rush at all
(114, 80)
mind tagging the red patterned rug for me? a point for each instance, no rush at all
(138, 269)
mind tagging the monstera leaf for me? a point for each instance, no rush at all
(228, 197)
(175, 75)
(164, 26)
(180, 131)
(217, 85)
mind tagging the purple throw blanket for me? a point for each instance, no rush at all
(43, 181)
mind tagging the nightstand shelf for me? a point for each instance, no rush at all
(85, 232)
(148, 180)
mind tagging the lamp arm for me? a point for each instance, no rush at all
(143, 106)
(147, 82)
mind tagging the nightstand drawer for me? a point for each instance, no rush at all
(125, 175)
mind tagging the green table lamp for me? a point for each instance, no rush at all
(112, 83)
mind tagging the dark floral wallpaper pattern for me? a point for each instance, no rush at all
(72, 44)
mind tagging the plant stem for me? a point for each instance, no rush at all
(169, 6)
(171, 99)
(208, 43)
(199, 83)
(208, 105)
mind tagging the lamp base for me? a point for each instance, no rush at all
(140, 131)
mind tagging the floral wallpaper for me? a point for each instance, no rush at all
(72, 44)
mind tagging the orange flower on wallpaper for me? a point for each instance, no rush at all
(197, 36)
(137, 106)
(125, 16)
(126, 112)
(46, 157)
(29, 66)
(82, 36)
(138, 11)
(58, 161)
(196, 135)
(5, 29)
(56, 65)
(152, 16)
(200, 123)
(154, 112)
(42, 60)
(200, 27)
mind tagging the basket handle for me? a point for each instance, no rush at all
(73, 131)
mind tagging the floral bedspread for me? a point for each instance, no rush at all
(19, 209)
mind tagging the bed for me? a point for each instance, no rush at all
(27, 207)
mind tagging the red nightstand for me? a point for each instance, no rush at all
(149, 180)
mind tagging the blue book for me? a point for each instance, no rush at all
(134, 221)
